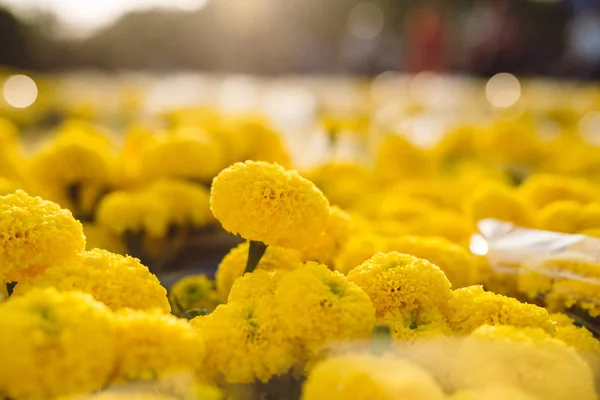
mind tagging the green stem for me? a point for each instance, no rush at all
(255, 252)
(381, 341)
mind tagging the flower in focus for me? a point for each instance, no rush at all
(569, 217)
(319, 306)
(326, 247)
(54, 344)
(193, 292)
(35, 234)
(496, 201)
(541, 190)
(264, 202)
(115, 280)
(471, 307)
(396, 281)
(233, 264)
(186, 154)
(365, 377)
(525, 358)
(152, 344)
(244, 342)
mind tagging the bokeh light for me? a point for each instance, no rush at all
(478, 245)
(20, 91)
(365, 21)
(503, 90)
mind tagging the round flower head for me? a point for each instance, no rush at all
(401, 281)
(185, 154)
(265, 143)
(193, 292)
(498, 202)
(257, 287)
(117, 281)
(319, 306)
(264, 202)
(569, 216)
(365, 377)
(327, 246)
(397, 158)
(455, 261)
(343, 184)
(526, 358)
(35, 234)
(471, 307)
(152, 344)
(359, 248)
(233, 264)
(54, 344)
(244, 342)
(541, 190)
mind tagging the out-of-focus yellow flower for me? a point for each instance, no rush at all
(569, 217)
(193, 292)
(326, 247)
(396, 281)
(366, 377)
(8, 186)
(580, 338)
(471, 307)
(3, 292)
(493, 392)
(264, 202)
(343, 183)
(244, 342)
(231, 135)
(265, 143)
(233, 264)
(9, 135)
(563, 283)
(397, 158)
(137, 140)
(319, 306)
(421, 323)
(152, 344)
(526, 358)
(493, 200)
(511, 142)
(455, 261)
(54, 344)
(458, 143)
(35, 234)
(359, 248)
(100, 237)
(115, 280)
(541, 190)
(186, 154)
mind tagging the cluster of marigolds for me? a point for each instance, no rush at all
(355, 281)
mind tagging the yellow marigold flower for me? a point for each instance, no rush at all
(526, 358)
(231, 136)
(193, 292)
(471, 307)
(569, 217)
(188, 203)
(100, 237)
(327, 246)
(493, 200)
(234, 263)
(416, 324)
(123, 212)
(54, 344)
(264, 202)
(401, 281)
(343, 183)
(397, 158)
(9, 135)
(455, 261)
(541, 190)
(563, 283)
(137, 139)
(187, 154)
(582, 340)
(265, 143)
(511, 142)
(493, 392)
(152, 344)
(365, 377)
(115, 280)
(359, 248)
(244, 342)
(35, 234)
(8, 186)
(256, 287)
(319, 306)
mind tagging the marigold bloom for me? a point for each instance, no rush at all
(493, 392)
(188, 153)
(319, 306)
(35, 234)
(343, 183)
(8, 186)
(257, 287)
(471, 307)
(54, 343)
(152, 344)
(401, 281)
(188, 203)
(264, 202)
(359, 248)
(496, 201)
(327, 246)
(569, 216)
(244, 342)
(193, 292)
(541, 190)
(526, 358)
(265, 143)
(398, 158)
(366, 377)
(115, 280)
(234, 263)
(416, 324)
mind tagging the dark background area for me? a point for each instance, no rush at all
(526, 37)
